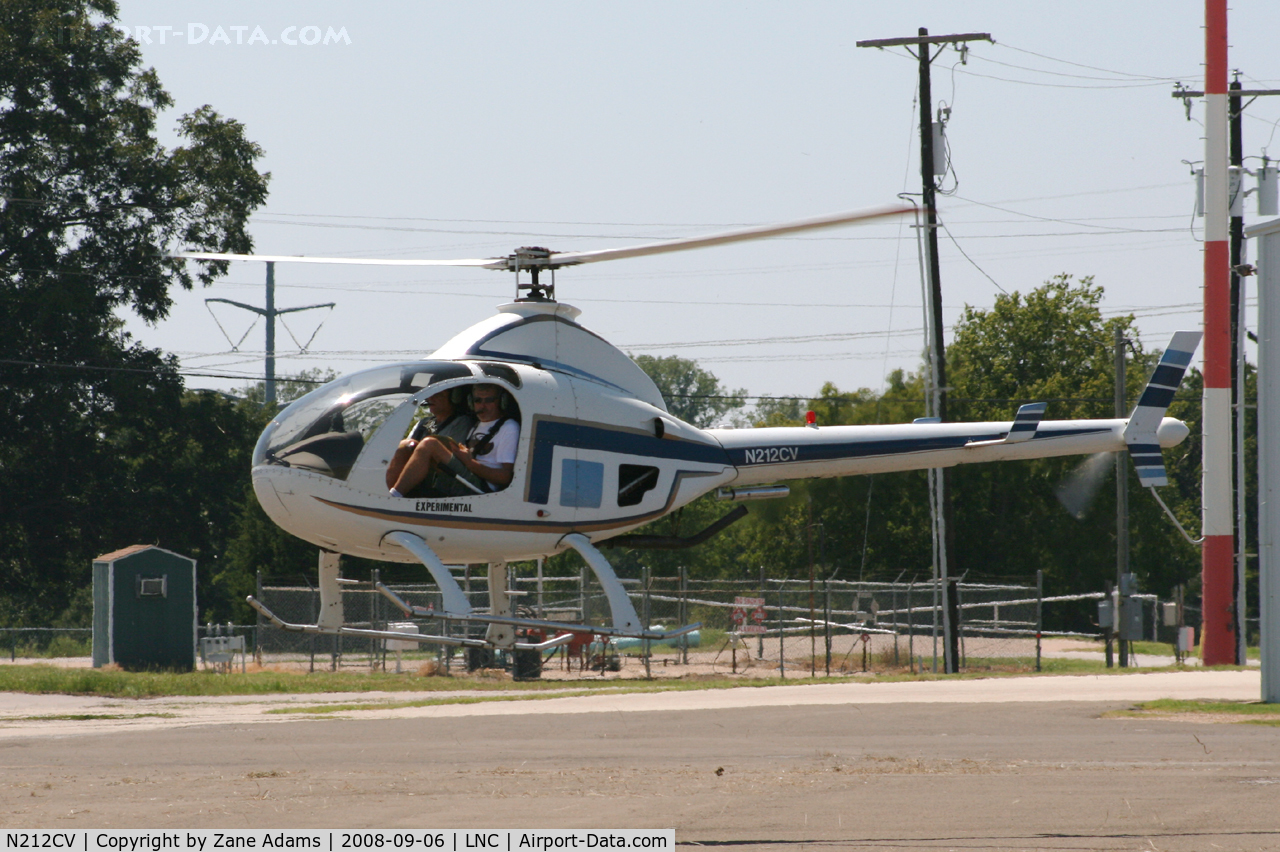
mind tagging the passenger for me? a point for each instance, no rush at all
(450, 421)
(485, 462)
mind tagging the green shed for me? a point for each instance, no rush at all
(144, 609)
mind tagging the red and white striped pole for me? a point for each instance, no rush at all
(1217, 644)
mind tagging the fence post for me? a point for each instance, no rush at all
(257, 616)
(1039, 613)
(373, 618)
(541, 612)
(684, 614)
(646, 576)
(782, 643)
(894, 604)
(760, 637)
(315, 616)
(936, 585)
(911, 627)
(826, 590)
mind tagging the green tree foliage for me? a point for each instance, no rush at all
(93, 205)
(1053, 344)
(693, 394)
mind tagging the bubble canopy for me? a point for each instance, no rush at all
(325, 430)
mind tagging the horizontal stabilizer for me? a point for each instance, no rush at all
(1024, 426)
(1026, 421)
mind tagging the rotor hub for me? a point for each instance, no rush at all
(535, 259)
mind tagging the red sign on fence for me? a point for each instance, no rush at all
(748, 615)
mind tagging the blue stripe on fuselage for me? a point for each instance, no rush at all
(748, 456)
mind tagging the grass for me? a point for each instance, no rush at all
(1240, 712)
(122, 684)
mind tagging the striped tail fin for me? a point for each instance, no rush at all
(1140, 434)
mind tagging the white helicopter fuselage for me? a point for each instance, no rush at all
(598, 454)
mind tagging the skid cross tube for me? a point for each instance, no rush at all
(356, 631)
(653, 635)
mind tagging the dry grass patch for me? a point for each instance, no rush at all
(1205, 712)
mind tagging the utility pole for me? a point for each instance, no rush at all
(270, 313)
(1122, 506)
(1223, 584)
(925, 56)
(1218, 639)
(1236, 202)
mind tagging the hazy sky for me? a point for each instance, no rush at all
(468, 129)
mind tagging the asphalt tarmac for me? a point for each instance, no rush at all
(1010, 764)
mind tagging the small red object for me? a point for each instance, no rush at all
(810, 418)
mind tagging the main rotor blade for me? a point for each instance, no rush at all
(758, 232)
(542, 259)
(482, 262)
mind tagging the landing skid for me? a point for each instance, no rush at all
(538, 623)
(500, 621)
(421, 638)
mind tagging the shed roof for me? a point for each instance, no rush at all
(117, 555)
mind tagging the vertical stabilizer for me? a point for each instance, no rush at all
(1140, 433)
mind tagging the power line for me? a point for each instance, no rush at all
(1061, 85)
(1088, 67)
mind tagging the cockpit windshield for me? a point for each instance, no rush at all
(325, 430)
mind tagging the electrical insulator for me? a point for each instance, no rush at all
(1199, 173)
(1268, 190)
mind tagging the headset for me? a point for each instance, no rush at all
(461, 399)
(505, 403)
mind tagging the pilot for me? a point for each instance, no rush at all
(485, 462)
(452, 421)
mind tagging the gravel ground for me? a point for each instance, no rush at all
(1012, 763)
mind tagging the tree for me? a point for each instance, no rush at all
(93, 208)
(693, 394)
(1051, 344)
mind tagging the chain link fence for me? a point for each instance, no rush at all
(46, 642)
(766, 627)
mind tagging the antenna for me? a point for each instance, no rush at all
(270, 313)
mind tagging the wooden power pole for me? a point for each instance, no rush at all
(924, 53)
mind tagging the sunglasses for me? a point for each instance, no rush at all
(484, 400)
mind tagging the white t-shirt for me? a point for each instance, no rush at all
(504, 443)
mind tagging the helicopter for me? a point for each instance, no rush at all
(598, 453)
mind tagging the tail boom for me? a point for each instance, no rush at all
(781, 453)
